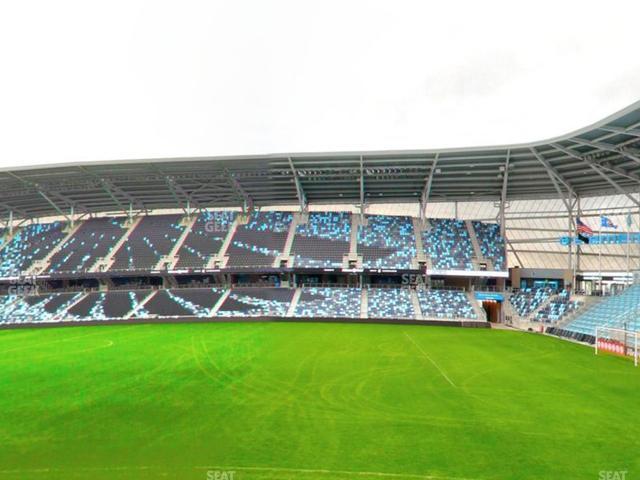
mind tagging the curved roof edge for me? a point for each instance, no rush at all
(601, 158)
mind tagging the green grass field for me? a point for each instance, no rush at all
(311, 401)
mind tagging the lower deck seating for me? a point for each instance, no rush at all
(329, 302)
(390, 303)
(557, 308)
(182, 302)
(108, 305)
(618, 311)
(449, 304)
(269, 301)
(256, 302)
(36, 308)
(527, 300)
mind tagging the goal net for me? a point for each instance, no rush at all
(617, 341)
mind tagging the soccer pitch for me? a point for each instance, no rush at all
(311, 401)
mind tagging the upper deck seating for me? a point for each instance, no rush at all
(260, 241)
(329, 302)
(93, 240)
(323, 241)
(152, 238)
(253, 302)
(448, 244)
(205, 239)
(31, 243)
(491, 243)
(387, 242)
(390, 303)
(445, 304)
(618, 311)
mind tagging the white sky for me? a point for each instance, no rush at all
(88, 80)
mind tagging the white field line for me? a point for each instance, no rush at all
(321, 471)
(421, 350)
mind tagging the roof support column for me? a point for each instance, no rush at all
(246, 201)
(503, 196)
(572, 234)
(578, 248)
(302, 198)
(361, 188)
(596, 168)
(426, 191)
(55, 207)
(567, 199)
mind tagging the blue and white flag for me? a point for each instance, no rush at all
(606, 222)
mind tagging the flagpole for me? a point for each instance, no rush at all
(600, 257)
(628, 245)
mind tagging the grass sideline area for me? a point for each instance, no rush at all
(311, 401)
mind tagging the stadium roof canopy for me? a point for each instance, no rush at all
(600, 159)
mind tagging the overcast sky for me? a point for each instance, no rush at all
(87, 80)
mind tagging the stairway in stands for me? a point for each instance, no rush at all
(419, 226)
(220, 260)
(285, 256)
(142, 303)
(171, 258)
(103, 264)
(477, 307)
(356, 221)
(477, 251)
(364, 303)
(415, 302)
(294, 302)
(41, 265)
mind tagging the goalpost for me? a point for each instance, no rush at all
(618, 341)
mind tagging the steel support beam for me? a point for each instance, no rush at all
(70, 203)
(302, 198)
(595, 167)
(607, 147)
(105, 187)
(53, 204)
(426, 190)
(174, 190)
(503, 195)
(515, 253)
(361, 186)
(245, 199)
(633, 132)
(11, 209)
(555, 178)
